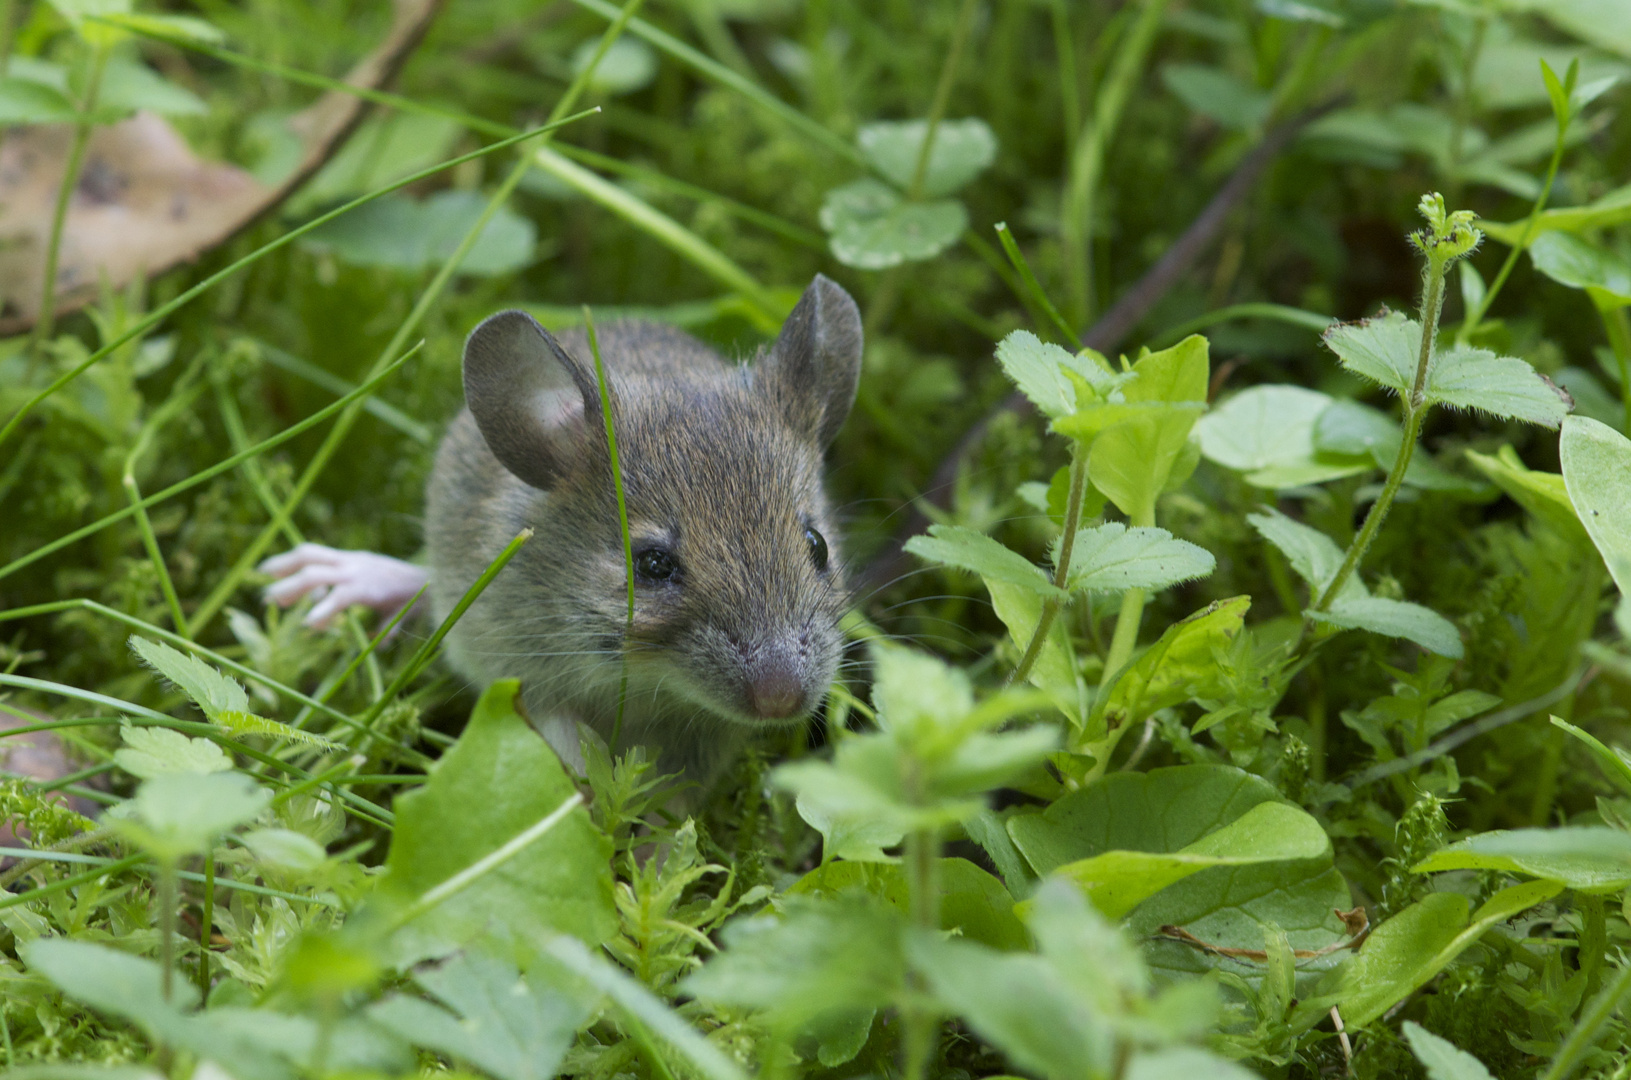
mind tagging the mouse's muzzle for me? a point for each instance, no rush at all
(776, 678)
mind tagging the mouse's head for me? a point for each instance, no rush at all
(738, 583)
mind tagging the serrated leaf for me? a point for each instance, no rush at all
(177, 814)
(1441, 1058)
(1385, 349)
(1596, 464)
(210, 690)
(244, 723)
(158, 751)
(1394, 618)
(872, 228)
(847, 837)
(1037, 368)
(962, 150)
(1180, 664)
(954, 545)
(1467, 378)
(1114, 558)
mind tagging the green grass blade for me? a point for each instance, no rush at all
(724, 76)
(159, 314)
(213, 471)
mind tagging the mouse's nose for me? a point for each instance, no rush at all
(775, 686)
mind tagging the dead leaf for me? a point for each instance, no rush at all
(145, 203)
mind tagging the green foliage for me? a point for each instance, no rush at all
(1107, 793)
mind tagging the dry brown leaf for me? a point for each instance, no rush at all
(145, 203)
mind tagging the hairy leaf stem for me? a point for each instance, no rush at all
(1415, 411)
(1061, 570)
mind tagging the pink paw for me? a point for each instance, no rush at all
(341, 579)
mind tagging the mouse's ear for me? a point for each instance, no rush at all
(530, 397)
(815, 364)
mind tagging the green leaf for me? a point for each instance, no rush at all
(1385, 349)
(1114, 558)
(1441, 1057)
(954, 545)
(816, 956)
(1571, 261)
(493, 1019)
(285, 848)
(177, 814)
(1217, 95)
(157, 751)
(24, 101)
(1350, 430)
(962, 150)
(845, 836)
(1268, 433)
(973, 904)
(1596, 462)
(497, 780)
(1176, 375)
(176, 27)
(1118, 881)
(1184, 1063)
(1038, 369)
(1133, 461)
(1463, 377)
(1393, 618)
(1407, 950)
(128, 86)
(400, 233)
(1181, 665)
(872, 228)
(1054, 672)
(210, 690)
(1543, 495)
(1614, 761)
(1593, 859)
(1313, 555)
(1019, 1003)
(112, 981)
(628, 65)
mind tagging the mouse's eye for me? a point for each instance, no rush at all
(656, 564)
(818, 548)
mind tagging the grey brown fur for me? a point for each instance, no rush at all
(721, 465)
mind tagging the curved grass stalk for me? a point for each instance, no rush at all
(45, 322)
(159, 314)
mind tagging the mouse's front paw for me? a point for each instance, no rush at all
(341, 579)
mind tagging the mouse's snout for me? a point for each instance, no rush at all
(776, 678)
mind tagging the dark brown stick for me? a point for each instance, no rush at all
(1111, 329)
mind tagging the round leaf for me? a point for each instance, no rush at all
(872, 228)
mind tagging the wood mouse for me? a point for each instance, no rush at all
(738, 585)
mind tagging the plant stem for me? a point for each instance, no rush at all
(1011, 248)
(207, 923)
(45, 322)
(1087, 164)
(167, 926)
(1618, 328)
(922, 1026)
(942, 98)
(1416, 409)
(1530, 226)
(1061, 570)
